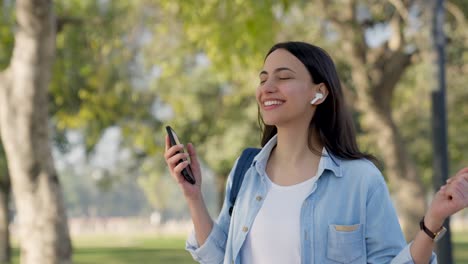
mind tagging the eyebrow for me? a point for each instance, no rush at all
(277, 70)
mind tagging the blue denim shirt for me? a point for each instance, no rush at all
(348, 217)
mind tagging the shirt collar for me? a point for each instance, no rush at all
(327, 162)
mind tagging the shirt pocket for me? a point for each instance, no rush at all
(345, 243)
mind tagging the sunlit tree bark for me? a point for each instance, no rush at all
(43, 228)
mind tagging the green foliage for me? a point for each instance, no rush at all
(6, 33)
(233, 34)
(140, 65)
(4, 178)
(213, 104)
(457, 94)
(92, 87)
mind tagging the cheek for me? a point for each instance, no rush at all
(297, 92)
(257, 94)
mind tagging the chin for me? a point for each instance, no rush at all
(271, 121)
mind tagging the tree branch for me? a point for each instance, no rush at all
(401, 8)
(397, 40)
(391, 72)
(31, 15)
(376, 55)
(347, 24)
(456, 13)
(64, 21)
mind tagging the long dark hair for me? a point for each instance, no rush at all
(332, 120)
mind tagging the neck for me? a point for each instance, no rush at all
(294, 146)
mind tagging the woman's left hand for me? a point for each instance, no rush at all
(451, 198)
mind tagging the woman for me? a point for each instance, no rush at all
(310, 195)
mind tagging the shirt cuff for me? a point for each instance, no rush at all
(404, 257)
(212, 251)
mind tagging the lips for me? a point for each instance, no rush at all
(271, 103)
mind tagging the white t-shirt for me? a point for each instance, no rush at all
(275, 233)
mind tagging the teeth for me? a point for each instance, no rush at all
(274, 102)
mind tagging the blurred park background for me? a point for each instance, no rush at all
(87, 87)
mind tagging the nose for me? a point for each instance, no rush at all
(269, 86)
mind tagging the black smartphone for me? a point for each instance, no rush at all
(174, 140)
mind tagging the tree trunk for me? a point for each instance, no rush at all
(43, 229)
(375, 92)
(5, 248)
(405, 183)
(375, 75)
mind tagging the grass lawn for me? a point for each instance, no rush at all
(127, 249)
(460, 247)
(119, 249)
(145, 249)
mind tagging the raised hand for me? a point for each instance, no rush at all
(451, 198)
(191, 191)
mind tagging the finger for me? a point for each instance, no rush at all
(178, 170)
(168, 143)
(173, 150)
(179, 179)
(461, 182)
(462, 171)
(462, 187)
(465, 177)
(172, 161)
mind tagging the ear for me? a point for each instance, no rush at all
(320, 94)
(323, 89)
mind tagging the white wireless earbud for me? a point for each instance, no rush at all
(318, 96)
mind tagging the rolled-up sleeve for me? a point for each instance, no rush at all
(213, 250)
(404, 257)
(384, 239)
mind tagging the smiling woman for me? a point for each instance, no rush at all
(310, 195)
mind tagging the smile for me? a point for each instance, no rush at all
(272, 102)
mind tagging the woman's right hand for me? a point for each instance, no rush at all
(201, 219)
(191, 191)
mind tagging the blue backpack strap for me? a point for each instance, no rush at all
(243, 165)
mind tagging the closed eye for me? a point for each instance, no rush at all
(279, 78)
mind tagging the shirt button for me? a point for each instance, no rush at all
(259, 198)
(245, 229)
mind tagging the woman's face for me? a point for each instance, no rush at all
(285, 90)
